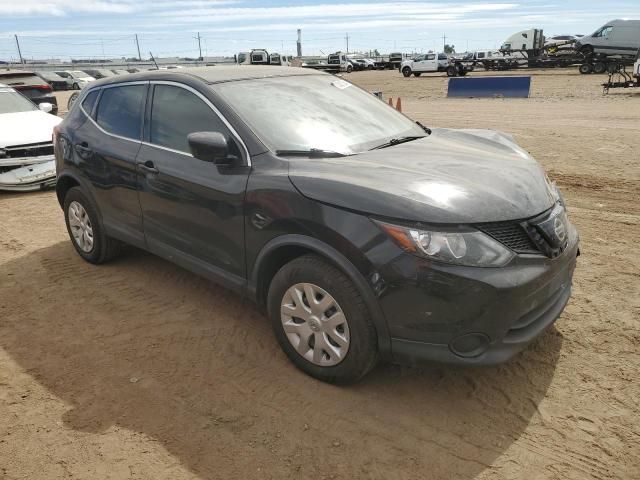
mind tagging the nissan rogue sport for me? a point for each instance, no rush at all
(364, 235)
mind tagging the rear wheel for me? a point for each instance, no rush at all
(321, 321)
(599, 67)
(406, 71)
(586, 68)
(85, 229)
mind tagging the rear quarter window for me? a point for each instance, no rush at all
(89, 101)
(120, 110)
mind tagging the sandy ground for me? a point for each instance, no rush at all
(138, 369)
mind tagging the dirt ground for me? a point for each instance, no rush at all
(138, 369)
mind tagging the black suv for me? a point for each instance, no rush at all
(363, 234)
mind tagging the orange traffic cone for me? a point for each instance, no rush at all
(399, 104)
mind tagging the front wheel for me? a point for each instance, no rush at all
(321, 321)
(406, 71)
(75, 86)
(452, 71)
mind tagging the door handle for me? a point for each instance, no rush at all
(83, 149)
(148, 167)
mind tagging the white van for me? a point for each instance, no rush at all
(618, 37)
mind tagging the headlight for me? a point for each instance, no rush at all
(470, 248)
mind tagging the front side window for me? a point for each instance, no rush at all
(603, 32)
(431, 57)
(120, 110)
(176, 113)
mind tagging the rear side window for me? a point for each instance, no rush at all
(176, 113)
(90, 101)
(120, 110)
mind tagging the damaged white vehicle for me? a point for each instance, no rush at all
(26, 149)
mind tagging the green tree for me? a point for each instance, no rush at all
(449, 49)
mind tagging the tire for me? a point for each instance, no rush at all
(103, 248)
(406, 71)
(74, 96)
(359, 355)
(417, 74)
(452, 71)
(75, 86)
(599, 67)
(349, 69)
(586, 68)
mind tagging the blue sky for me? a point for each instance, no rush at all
(81, 28)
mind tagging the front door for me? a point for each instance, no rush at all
(427, 63)
(192, 210)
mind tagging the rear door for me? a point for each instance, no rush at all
(105, 149)
(193, 210)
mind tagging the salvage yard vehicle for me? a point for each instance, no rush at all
(56, 81)
(26, 149)
(617, 37)
(80, 79)
(335, 63)
(31, 86)
(364, 235)
(429, 62)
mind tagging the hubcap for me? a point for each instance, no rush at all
(315, 324)
(80, 227)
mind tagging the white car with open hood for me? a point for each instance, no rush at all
(26, 149)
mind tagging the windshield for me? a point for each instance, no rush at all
(12, 102)
(305, 112)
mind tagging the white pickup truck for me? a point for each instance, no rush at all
(429, 62)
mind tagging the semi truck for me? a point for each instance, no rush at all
(335, 63)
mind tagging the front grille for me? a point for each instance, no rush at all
(30, 150)
(512, 235)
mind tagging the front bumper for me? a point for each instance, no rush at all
(473, 316)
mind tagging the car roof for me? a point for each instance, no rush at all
(14, 73)
(217, 74)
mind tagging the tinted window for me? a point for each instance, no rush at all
(431, 57)
(176, 113)
(120, 110)
(90, 101)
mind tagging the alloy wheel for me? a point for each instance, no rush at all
(80, 226)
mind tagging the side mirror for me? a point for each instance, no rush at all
(210, 147)
(45, 107)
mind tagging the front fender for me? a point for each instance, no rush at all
(339, 260)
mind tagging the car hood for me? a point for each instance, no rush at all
(22, 128)
(451, 176)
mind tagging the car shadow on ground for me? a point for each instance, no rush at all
(147, 346)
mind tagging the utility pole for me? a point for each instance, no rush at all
(299, 43)
(444, 41)
(138, 45)
(199, 45)
(19, 52)
(347, 39)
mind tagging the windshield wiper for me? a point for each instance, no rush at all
(311, 153)
(426, 129)
(398, 141)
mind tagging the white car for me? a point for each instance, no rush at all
(26, 148)
(429, 62)
(80, 79)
